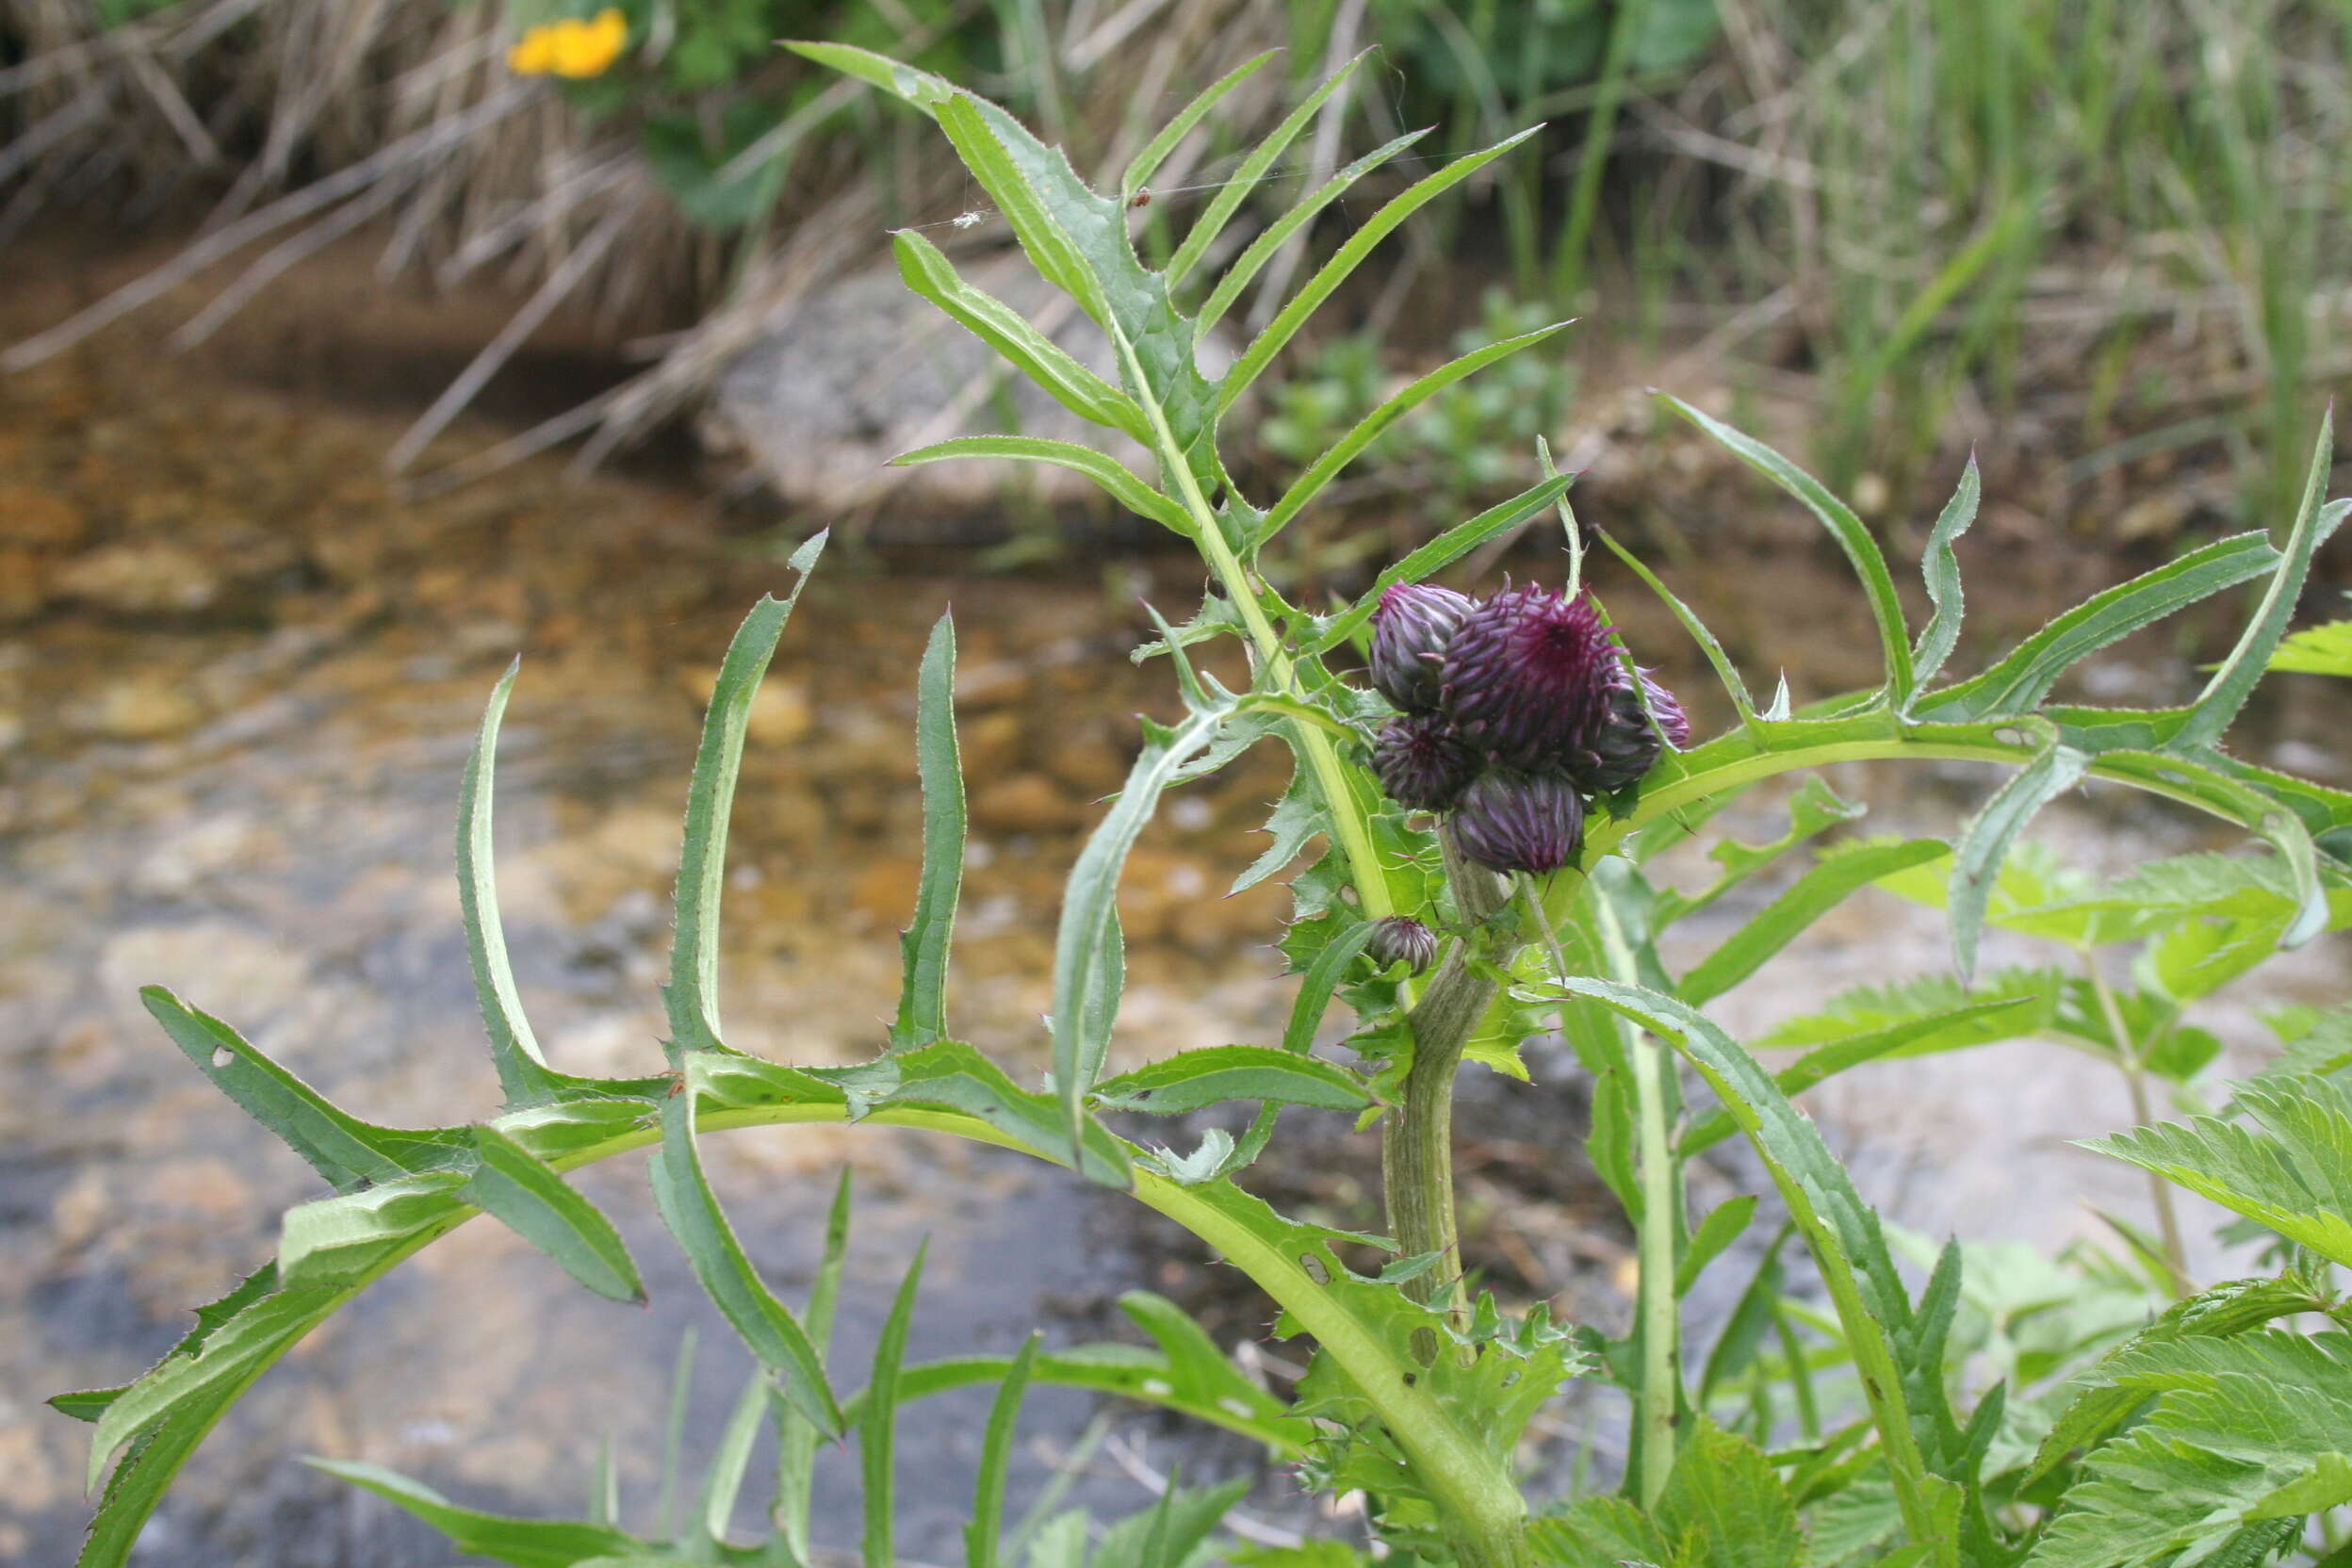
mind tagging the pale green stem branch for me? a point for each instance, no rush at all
(2135, 1084)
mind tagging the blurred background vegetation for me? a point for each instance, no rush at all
(2083, 236)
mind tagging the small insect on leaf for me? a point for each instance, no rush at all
(1140, 199)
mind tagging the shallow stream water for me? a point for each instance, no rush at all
(239, 679)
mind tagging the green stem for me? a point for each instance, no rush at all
(2143, 1114)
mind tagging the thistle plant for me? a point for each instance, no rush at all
(1480, 817)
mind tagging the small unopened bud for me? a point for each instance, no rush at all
(1511, 820)
(1403, 939)
(1420, 763)
(1410, 632)
(1527, 677)
(1629, 742)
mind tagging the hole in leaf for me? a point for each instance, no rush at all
(221, 1057)
(1313, 1269)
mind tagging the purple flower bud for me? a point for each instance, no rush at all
(1527, 677)
(1511, 820)
(1628, 745)
(1420, 765)
(1401, 939)
(1410, 632)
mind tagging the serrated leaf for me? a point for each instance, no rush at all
(1277, 234)
(1114, 477)
(1148, 160)
(2233, 683)
(1723, 1224)
(1861, 549)
(1724, 1493)
(2316, 650)
(1016, 339)
(1940, 567)
(1372, 426)
(525, 1195)
(924, 945)
(878, 1420)
(1228, 199)
(2019, 682)
(333, 1241)
(1195, 1080)
(2294, 1174)
(1712, 649)
(1085, 989)
(691, 1211)
(1321, 979)
(525, 1542)
(1287, 322)
(1814, 807)
(691, 996)
(952, 1075)
(996, 1453)
(523, 1072)
(1786, 917)
(1985, 843)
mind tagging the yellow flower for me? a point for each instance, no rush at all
(570, 47)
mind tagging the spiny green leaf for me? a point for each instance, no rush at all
(1371, 428)
(1438, 553)
(1228, 199)
(1116, 479)
(1814, 807)
(333, 1241)
(1976, 860)
(924, 945)
(877, 1423)
(1147, 162)
(692, 994)
(929, 274)
(1781, 921)
(1321, 979)
(525, 1194)
(692, 1211)
(2227, 691)
(1940, 567)
(1712, 649)
(525, 1542)
(2019, 681)
(1351, 252)
(1723, 1226)
(1194, 1080)
(523, 1072)
(2316, 650)
(1862, 550)
(1277, 234)
(996, 1453)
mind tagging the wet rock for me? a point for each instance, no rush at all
(40, 519)
(1025, 802)
(25, 576)
(230, 970)
(884, 892)
(140, 578)
(780, 713)
(141, 708)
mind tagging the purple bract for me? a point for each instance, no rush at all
(1401, 939)
(1420, 763)
(1410, 632)
(1527, 677)
(1511, 820)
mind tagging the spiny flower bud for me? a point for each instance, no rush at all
(1629, 743)
(1410, 632)
(1511, 820)
(1420, 763)
(1527, 677)
(1401, 939)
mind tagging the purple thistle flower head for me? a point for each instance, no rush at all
(1511, 820)
(1410, 632)
(1628, 745)
(1420, 763)
(1527, 675)
(1401, 939)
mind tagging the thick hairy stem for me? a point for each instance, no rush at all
(1418, 1140)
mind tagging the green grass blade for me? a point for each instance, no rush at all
(1441, 553)
(515, 1186)
(1228, 199)
(523, 1074)
(1116, 479)
(1862, 551)
(1343, 261)
(692, 994)
(724, 1482)
(1837, 1224)
(981, 1537)
(929, 274)
(1088, 955)
(1786, 918)
(2019, 681)
(1147, 163)
(1976, 860)
(692, 1211)
(924, 945)
(1940, 567)
(526, 1542)
(795, 1438)
(2218, 704)
(1371, 428)
(879, 1423)
(1252, 260)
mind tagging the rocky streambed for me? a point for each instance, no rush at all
(238, 677)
